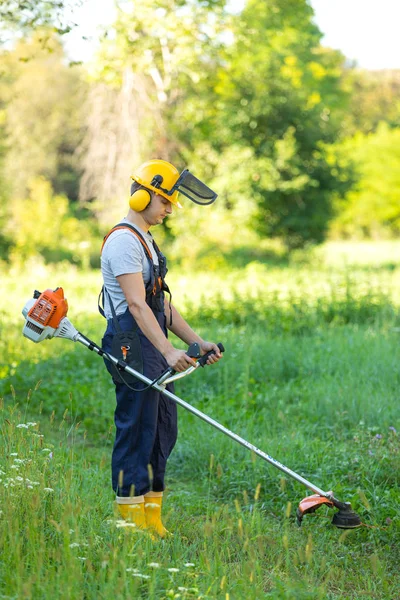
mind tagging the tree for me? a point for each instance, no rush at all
(26, 16)
(280, 95)
(43, 114)
(151, 72)
(375, 97)
(207, 88)
(372, 207)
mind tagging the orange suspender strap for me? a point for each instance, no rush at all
(145, 246)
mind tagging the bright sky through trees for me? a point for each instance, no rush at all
(364, 30)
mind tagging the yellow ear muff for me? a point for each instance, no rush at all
(140, 199)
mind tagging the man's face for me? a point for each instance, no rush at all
(157, 210)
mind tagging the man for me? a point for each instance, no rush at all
(134, 272)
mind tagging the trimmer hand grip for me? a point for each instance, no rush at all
(202, 361)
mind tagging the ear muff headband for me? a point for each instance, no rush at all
(140, 199)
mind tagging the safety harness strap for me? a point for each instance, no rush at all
(134, 231)
(159, 284)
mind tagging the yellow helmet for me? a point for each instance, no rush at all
(160, 177)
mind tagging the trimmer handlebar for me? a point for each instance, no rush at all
(203, 359)
(194, 352)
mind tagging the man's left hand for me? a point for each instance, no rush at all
(206, 347)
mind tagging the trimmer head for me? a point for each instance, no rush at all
(345, 518)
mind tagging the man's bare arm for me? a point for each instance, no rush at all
(135, 294)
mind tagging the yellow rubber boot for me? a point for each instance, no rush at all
(152, 510)
(131, 509)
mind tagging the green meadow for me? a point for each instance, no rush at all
(311, 375)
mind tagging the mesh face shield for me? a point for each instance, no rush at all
(194, 189)
(191, 187)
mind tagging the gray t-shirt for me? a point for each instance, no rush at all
(123, 253)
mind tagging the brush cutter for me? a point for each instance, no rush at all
(46, 317)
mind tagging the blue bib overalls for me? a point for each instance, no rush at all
(146, 422)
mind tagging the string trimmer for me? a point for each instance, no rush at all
(46, 318)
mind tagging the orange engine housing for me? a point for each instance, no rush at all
(50, 308)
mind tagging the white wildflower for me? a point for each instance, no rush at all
(15, 467)
(46, 449)
(72, 531)
(182, 589)
(13, 453)
(48, 489)
(74, 545)
(82, 557)
(189, 565)
(19, 478)
(154, 565)
(30, 424)
(30, 487)
(22, 426)
(131, 570)
(141, 575)
(19, 461)
(173, 570)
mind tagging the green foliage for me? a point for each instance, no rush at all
(322, 399)
(255, 123)
(43, 225)
(279, 94)
(372, 207)
(44, 103)
(375, 97)
(149, 75)
(249, 100)
(25, 16)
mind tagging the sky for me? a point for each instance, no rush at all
(366, 31)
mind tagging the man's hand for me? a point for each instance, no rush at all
(178, 360)
(206, 347)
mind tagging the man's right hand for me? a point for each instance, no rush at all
(179, 360)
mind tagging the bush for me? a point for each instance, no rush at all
(43, 225)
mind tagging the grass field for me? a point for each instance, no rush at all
(311, 375)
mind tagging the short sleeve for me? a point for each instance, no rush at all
(124, 254)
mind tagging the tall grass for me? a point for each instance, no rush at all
(310, 375)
